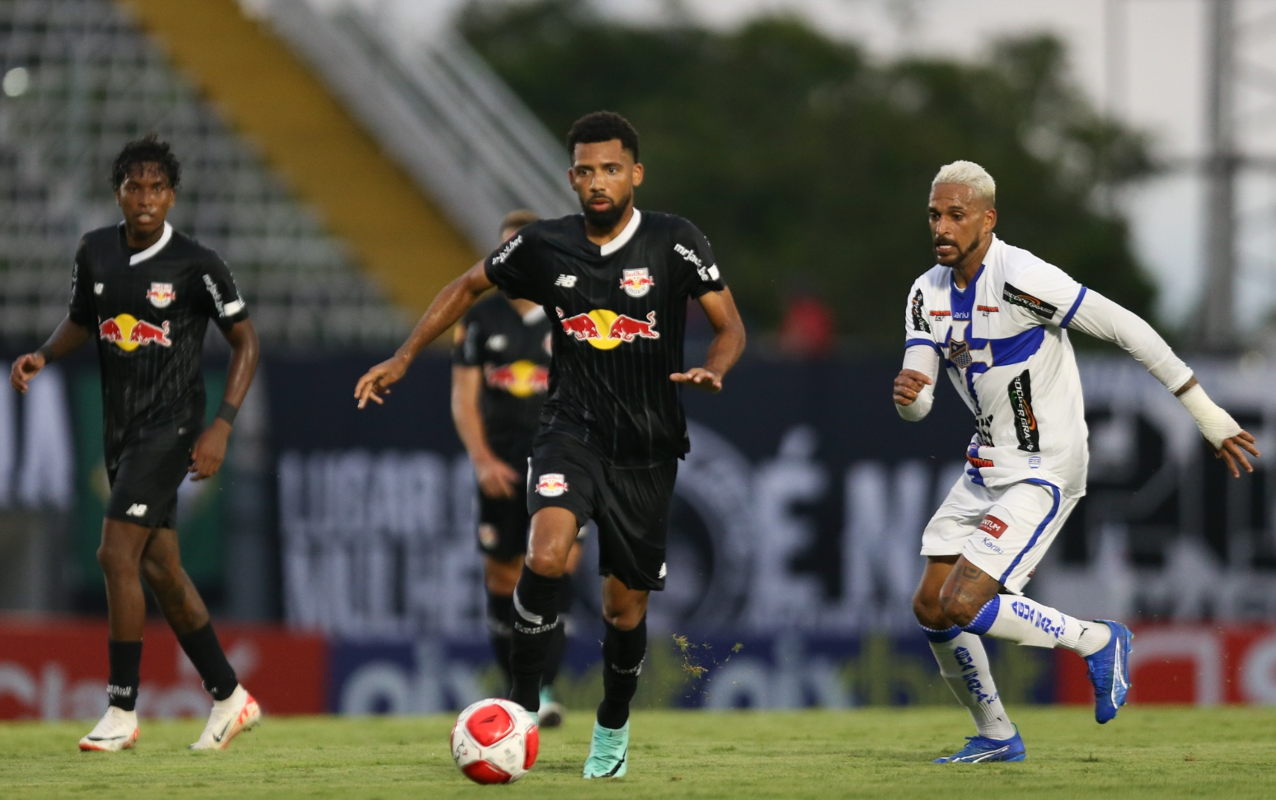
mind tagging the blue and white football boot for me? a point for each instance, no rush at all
(980, 749)
(608, 752)
(1109, 671)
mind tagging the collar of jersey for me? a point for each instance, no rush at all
(624, 237)
(138, 258)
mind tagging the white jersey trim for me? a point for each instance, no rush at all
(138, 258)
(624, 237)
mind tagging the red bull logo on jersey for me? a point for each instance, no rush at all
(551, 484)
(130, 333)
(636, 282)
(606, 329)
(161, 295)
(522, 378)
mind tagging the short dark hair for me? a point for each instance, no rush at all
(518, 218)
(603, 126)
(147, 150)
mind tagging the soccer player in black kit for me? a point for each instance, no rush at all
(145, 293)
(500, 375)
(616, 282)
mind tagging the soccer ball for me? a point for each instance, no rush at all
(495, 741)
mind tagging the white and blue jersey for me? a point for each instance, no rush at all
(1004, 344)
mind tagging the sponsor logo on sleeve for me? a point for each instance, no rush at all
(918, 309)
(1018, 297)
(98, 288)
(509, 248)
(1020, 391)
(709, 273)
(993, 526)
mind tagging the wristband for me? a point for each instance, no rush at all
(227, 412)
(1216, 424)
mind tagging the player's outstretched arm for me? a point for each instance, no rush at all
(210, 448)
(444, 312)
(67, 337)
(726, 347)
(1103, 319)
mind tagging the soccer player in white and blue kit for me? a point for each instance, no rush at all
(996, 318)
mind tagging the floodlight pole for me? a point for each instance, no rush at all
(1217, 326)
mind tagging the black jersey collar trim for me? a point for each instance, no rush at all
(138, 258)
(624, 237)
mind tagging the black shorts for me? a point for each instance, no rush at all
(144, 479)
(502, 524)
(629, 504)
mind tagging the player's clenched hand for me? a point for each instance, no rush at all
(496, 479)
(24, 369)
(209, 451)
(908, 384)
(1233, 452)
(699, 378)
(376, 381)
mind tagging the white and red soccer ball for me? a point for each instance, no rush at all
(495, 741)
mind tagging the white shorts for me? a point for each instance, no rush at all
(1005, 532)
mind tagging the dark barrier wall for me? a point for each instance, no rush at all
(800, 506)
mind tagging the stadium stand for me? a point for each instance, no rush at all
(92, 81)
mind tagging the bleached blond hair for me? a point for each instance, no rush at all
(968, 173)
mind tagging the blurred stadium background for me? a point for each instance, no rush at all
(348, 158)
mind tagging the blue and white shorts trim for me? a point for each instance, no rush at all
(1005, 532)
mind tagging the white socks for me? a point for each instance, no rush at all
(1027, 622)
(963, 663)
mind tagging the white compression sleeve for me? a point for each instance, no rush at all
(1103, 319)
(926, 361)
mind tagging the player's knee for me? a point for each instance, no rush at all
(927, 611)
(546, 563)
(115, 559)
(955, 608)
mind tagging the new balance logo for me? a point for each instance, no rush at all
(136, 510)
(565, 281)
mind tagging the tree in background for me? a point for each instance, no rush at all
(803, 160)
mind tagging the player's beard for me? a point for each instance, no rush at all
(962, 253)
(606, 220)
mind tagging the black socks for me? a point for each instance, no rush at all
(535, 623)
(623, 652)
(500, 616)
(126, 667)
(205, 652)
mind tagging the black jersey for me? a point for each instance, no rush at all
(619, 312)
(148, 312)
(514, 353)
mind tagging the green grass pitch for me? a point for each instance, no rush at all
(882, 753)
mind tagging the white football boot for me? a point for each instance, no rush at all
(236, 713)
(117, 730)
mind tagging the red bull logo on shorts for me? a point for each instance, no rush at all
(606, 329)
(130, 333)
(551, 484)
